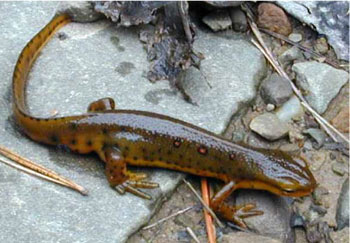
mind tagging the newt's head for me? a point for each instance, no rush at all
(281, 174)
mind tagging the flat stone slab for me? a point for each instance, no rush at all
(93, 61)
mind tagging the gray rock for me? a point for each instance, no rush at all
(321, 81)
(291, 109)
(342, 215)
(218, 20)
(317, 134)
(275, 222)
(269, 126)
(328, 17)
(296, 37)
(239, 20)
(290, 55)
(80, 11)
(275, 90)
(70, 74)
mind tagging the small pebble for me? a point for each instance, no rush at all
(339, 168)
(321, 45)
(318, 194)
(275, 90)
(273, 18)
(290, 55)
(296, 37)
(269, 126)
(270, 107)
(291, 109)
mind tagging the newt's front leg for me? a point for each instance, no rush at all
(232, 213)
(123, 180)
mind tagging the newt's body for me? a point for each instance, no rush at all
(139, 138)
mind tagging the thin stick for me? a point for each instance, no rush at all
(323, 123)
(308, 50)
(30, 167)
(204, 204)
(168, 217)
(207, 217)
(192, 234)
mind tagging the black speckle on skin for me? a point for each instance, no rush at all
(73, 141)
(89, 143)
(104, 131)
(73, 126)
(135, 158)
(54, 138)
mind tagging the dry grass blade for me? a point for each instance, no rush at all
(208, 219)
(204, 204)
(308, 50)
(192, 234)
(323, 123)
(30, 167)
(168, 217)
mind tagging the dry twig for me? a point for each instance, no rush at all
(31, 168)
(208, 219)
(204, 204)
(192, 234)
(308, 50)
(168, 217)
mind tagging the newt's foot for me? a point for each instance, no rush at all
(135, 181)
(245, 211)
(237, 213)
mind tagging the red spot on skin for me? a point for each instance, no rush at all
(202, 150)
(177, 143)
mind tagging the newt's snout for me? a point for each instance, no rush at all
(299, 181)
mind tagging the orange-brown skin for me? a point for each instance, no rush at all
(139, 138)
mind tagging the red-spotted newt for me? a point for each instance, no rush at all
(140, 138)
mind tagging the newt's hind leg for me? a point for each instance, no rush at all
(104, 104)
(234, 213)
(123, 180)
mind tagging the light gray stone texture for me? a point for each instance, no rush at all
(291, 109)
(321, 81)
(97, 60)
(269, 126)
(328, 17)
